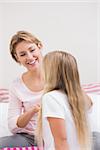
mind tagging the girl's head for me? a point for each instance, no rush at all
(61, 72)
(25, 49)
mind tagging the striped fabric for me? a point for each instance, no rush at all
(92, 88)
(4, 95)
(22, 148)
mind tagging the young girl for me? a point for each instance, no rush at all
(64, 105)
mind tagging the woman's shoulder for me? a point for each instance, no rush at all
(16, 83)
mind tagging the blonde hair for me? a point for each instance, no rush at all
(61, 73)
(19, 37)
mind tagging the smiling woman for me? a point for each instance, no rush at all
(25, 91)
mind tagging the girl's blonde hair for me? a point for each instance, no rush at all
(21, 36)
(61, 73)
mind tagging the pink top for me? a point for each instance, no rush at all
(21, 99)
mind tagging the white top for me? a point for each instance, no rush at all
(55, 105)
(21, 99)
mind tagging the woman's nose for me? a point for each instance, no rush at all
(29, 55)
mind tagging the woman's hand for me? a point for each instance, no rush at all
(24, 119)
(36, 108)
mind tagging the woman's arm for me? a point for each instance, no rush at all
(14, 111)
(16, 119)
(58, 130)
(25, 117)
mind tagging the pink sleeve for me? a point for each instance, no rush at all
(14, 111)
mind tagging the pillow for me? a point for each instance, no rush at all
(92, 88)
(94, 113)
(4, 95)
(4, 131)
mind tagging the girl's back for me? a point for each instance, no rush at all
(55, 105)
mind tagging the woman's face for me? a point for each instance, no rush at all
(29, 55)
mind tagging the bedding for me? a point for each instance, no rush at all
(4, 95)
(22, 148)
(94, 113)
(93, 88)
(4, 131)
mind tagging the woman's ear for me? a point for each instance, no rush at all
(40, 45)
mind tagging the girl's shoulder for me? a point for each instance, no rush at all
(57, 95)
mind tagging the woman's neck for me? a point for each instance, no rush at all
(33, 80)
(33, 75)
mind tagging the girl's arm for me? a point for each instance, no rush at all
(58, 130)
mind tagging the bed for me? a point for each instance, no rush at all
(93, 90)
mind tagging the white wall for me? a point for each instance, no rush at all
(71, 26)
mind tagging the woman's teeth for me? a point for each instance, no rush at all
(32, 62)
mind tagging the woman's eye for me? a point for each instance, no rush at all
(32, 50)
(22, 54)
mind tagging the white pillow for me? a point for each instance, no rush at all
(4, 131)
(94, 113)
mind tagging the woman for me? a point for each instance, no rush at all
(25, 91)
(64, 105)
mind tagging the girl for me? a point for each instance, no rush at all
(64, 105)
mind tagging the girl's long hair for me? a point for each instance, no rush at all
(61, 73)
